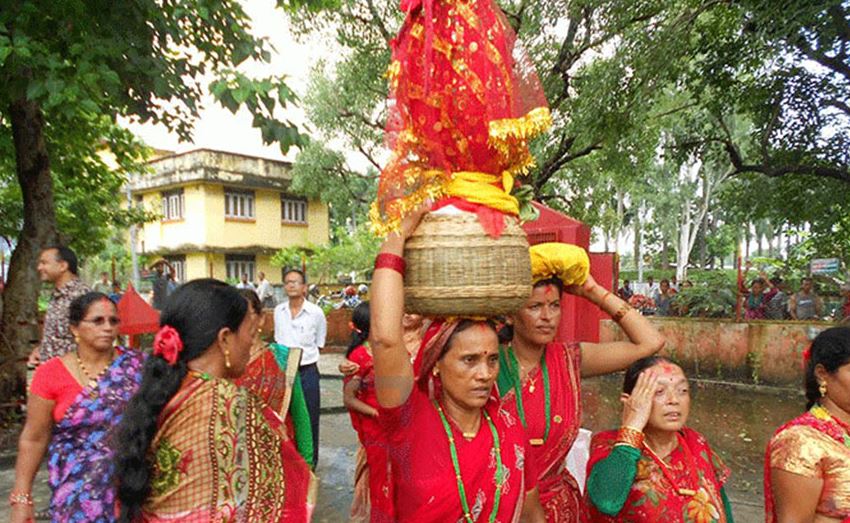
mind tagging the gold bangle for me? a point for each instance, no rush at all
(630, 436)
(20, 498)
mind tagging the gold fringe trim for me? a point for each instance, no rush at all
(510, 135)
(388, 220)
(524, 128)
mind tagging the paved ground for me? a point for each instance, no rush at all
(339, 445)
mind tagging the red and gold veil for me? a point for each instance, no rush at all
(464, 101)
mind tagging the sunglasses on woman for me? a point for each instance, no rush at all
(100, 320)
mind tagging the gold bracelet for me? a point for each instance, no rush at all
(630, 436)
(622, 311)
(20, 498)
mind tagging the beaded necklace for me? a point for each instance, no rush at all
(498, 476)
(93, 379)
(820, 412)
(547, 402)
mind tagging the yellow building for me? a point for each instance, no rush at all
(223, 214)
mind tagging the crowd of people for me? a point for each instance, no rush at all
(766, 298)
(216, 424)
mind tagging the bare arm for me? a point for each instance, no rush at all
(796, 496)
(393, 370)
(349, 399)
(532, 510)
(792, 306)
(605, 358)
(32, 446)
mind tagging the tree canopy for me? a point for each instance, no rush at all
(754, 90)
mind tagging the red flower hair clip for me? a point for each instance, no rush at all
(167, 344)
(807, 355)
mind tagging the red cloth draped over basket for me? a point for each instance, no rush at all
(464, 101)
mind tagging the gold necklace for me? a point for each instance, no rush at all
(95, 379)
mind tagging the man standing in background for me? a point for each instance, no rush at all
(805, 305)
(103, 284)
(299, 323)
(58, 265)
(265, 291)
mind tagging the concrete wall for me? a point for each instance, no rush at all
(759, 352)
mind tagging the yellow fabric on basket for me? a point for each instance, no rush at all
(569, 263)
(478, 187)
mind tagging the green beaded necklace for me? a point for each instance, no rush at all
(547, 402)
(499, 475)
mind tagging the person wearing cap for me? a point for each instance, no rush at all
(540, 379)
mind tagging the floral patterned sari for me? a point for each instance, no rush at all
(80, 456)
(691, 465)
(220, 454)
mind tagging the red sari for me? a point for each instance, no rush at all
(559, 492)
(426, 490)
(652, 498)
(371, 437)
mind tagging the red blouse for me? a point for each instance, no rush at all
(426, 489)
(54, 382)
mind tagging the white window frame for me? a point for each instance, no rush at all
(172, 205)
(238, 264)
(293, 209)
(239, 204)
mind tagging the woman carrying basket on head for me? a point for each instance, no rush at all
(541, 379)
(463, 457)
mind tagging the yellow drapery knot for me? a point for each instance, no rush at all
(484, 189)
(569, 263)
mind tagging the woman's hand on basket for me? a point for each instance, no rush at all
(411, 221)
(637, 406)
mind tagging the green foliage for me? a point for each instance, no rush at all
(147, 63)
(712, 296)
(87, 179)
(756, 90)
(350, 252)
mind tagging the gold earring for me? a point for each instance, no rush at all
(822, 389)
(77, 339)
(435, 371)
(227, 358)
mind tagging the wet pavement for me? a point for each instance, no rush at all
(737, 421)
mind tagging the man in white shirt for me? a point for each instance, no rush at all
(265, 291)
(299, 323)
(245, 284)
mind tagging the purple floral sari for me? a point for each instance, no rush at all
(80, 456)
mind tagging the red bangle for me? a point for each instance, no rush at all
(386, 260)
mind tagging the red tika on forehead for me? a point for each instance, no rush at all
(669, 368)
(551, 292)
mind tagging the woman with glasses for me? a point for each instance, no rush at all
(75, 401)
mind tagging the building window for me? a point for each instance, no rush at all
(238, 204)
(172, 205)
(239, 264)
(178, 263)
(293, 209)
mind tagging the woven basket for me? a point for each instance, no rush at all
(455, 269)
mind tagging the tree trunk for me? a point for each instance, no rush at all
(20, 307)
(638, 209)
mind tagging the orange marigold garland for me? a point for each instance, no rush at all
(464, 102)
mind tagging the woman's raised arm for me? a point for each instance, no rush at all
(393, 370)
